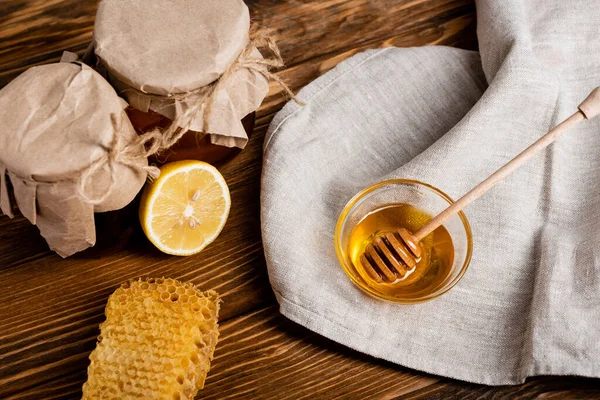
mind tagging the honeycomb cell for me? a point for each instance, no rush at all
(206, 313)
(144, 345)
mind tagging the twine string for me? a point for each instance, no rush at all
(129, 155)
(135, 154)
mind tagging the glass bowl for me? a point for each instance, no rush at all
(421, 196)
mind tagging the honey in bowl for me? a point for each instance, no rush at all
(433, 268)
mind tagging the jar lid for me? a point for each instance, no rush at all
(170, 46)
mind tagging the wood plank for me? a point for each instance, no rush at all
(296, 25)
(263, 355)
(15, 234)
(271, 357)
(547, 387)
(309, 29)
(35, 32)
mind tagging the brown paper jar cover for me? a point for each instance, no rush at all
(159, 55)
(59, 121)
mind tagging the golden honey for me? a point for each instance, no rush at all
(193, 145)
(431, 271)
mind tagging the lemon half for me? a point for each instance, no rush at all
(186, 208)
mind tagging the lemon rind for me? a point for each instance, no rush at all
(173, 169)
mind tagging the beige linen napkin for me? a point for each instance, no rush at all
(530, 302)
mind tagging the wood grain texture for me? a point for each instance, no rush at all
(264, 356)
(51, 307)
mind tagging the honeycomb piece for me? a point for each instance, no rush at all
(156, 343)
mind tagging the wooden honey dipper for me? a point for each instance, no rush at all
(394, 255)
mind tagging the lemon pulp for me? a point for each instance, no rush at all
(185, 209)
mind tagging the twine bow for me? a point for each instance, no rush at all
(129, 155)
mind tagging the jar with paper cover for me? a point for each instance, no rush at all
(67, 151)
(189, 68)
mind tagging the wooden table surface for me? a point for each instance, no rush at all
(51, 307)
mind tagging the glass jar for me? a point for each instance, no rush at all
(185, 63)
(193, 145)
